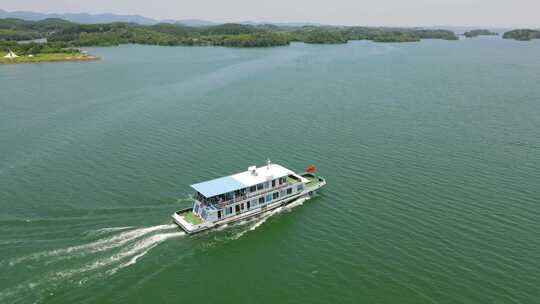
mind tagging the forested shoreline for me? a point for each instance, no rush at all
(65, 36)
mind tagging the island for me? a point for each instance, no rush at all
(55, 39)
(381, 34)
(479, 32)
(522, 35)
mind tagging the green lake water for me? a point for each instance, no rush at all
(431, 151)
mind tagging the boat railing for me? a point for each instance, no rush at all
(251, 195)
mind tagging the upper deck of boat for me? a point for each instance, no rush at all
(252, 177)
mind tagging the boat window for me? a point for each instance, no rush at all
(261, 200)
(266, 185)
(260, 186)
(273, 183)
(197, 208)
(275, 195)
(254, 203)
(252, 188)
(269, 198)
(228, 210)
(289, 190)
(248, 204)
(300, 187)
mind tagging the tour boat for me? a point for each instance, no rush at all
(244, 195)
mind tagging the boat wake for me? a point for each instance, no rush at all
(93, 247)
(133, 251)
(116, 249)
(103, 231)
(107, 251)
(261, 219)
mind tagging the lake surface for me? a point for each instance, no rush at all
(431, 151)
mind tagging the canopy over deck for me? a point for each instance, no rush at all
(241, 180)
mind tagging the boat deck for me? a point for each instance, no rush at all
(291, 180)
(314, 181)
(190, 222)
(191, 218)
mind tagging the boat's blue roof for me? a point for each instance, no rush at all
(241, 180)
(218, 186)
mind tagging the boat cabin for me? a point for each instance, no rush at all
(255, 188)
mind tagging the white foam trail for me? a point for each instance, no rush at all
(136, 251)
(298, 202)
(257, 224)
(222, 227)
(263, 217)
(134, 259)
(238, 235)
(106, 230)
(97, 246)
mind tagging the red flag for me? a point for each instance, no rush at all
(311, 169)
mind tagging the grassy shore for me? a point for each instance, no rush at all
(47, 57)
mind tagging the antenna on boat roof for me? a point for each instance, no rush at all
(268, 162)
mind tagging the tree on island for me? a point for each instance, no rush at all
(522, 35)
(475, 33)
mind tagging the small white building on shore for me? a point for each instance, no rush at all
(11, 55)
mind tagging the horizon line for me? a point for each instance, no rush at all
(314, 23)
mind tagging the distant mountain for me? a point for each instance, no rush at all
(79, 18)
(86, 18)
(100, 18)
(192, 22)
(286, 24)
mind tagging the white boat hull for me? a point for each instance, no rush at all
(192, 229)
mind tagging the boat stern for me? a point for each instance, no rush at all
(190, 222)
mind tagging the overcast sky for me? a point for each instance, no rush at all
(498, 13)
